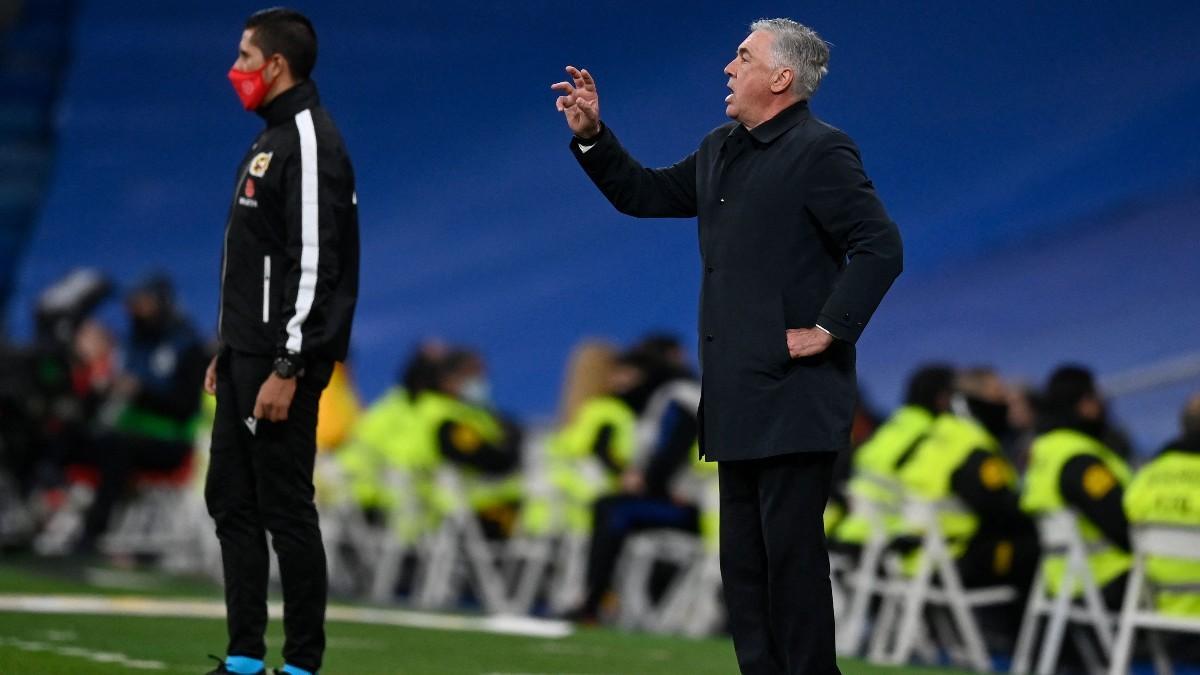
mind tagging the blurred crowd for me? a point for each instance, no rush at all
(430, 489)
(80, 406)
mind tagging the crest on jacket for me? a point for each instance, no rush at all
(258, 165)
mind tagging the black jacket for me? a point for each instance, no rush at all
(289, 269)
(781, 208)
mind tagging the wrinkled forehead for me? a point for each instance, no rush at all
(757, 43)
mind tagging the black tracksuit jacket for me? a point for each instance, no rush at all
(289, 268)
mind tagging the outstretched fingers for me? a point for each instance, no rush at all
(587, 82)
(576, 75)
(568, 98)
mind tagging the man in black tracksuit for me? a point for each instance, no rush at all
(289, 280)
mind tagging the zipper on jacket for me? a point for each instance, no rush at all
(266, 289)
(225, 253)
(237, 187)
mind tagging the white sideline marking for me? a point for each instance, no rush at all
(82, 653)
(215, 609)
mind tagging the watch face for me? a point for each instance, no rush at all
(285, 368)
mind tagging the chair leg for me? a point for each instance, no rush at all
(1023, 655)
(885, 625)
(481, 560)
(964, 620)
(534, 558)
(1098, 616)
(1092, 660)
(864, 588)
(1123, 646)
(1056, 629)
(568, 579)
(632, 578)
(1162, 660)
(914, 603)
(386, 572)
(438, 568)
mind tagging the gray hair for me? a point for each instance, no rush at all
(797, 47)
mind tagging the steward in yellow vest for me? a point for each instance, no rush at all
(379, 441)
(418, 428)
(1167, 492)
(454, 424)
(961, 457)
(662, 488)
(1071, 466)
(929, 392)
(587, 457)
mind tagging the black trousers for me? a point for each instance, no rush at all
(260, 482)
(774, 564)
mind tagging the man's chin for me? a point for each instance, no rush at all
(730, 111)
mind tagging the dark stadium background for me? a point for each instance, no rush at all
(1042, 160)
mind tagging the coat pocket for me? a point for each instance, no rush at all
(266, 303)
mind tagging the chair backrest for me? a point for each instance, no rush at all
(683, 393)
(924, 513)
(1167, 541)
(1059, 530)
(873, 506)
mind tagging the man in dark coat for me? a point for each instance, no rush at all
(797, 252)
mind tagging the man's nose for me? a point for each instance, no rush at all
(729, 69)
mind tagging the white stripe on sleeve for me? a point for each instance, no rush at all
(308, 229)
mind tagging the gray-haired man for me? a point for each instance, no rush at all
(797, 253)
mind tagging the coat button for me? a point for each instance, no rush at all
(709, 270)
(708, 337)
(722, 200)
(846, 317)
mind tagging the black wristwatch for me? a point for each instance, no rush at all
(288, 366)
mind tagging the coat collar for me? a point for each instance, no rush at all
(286, 105)
(775, 127)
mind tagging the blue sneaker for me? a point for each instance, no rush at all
(222, 670)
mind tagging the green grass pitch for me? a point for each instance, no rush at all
(70, 644)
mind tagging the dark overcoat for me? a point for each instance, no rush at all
(792, 235)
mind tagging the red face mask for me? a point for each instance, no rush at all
(250, 86)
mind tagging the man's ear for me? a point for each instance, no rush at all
(276, 65)
(782, 80)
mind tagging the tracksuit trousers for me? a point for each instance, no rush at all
(260, 480)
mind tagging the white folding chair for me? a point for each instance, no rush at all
(528, 557)
(642, 552)
(149, 523)
(937, 582)
(1060, 535)
(460, 553)
(569, 579)
(865, 581)
(693, 604)
(1138, 609)
(380, 550)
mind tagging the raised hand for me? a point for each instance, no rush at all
(579, 103)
